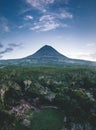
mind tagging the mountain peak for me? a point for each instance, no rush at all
(47, 51)
(47, 54)
(47, 47)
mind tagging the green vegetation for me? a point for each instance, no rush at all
(44, 120)
(71, 89)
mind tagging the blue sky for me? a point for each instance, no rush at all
(67, 25)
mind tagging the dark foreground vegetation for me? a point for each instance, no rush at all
(40, 98)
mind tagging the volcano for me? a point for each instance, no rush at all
(47, 55)
(46, 51)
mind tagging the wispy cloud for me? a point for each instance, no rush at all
(24, 10)
(39, 4)
(50, 21)
(28, 17)
(46, 23)
(26, 25)
(45, 26)
(42, 4)
(21, 26)
(14, 45)
(10, 47)
(4, 27)
(47, 19)
(65, 15)
(7, 50)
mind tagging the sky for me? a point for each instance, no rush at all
(67, 25)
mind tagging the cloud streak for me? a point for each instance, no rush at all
(14, 45)
(28, 17)
(39, 4)
(46, 23)
(45, 26)
(65, 15)
(7, 50)
(51, 21)
(47, 19)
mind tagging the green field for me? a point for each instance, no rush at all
(47, 119)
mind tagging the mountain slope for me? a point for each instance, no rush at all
(46, 51)
(46, 55)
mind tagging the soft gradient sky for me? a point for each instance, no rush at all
(67, 25)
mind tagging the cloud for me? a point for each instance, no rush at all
(65, 15)
(47, 19)
(10, 48)
(40, 4)
(46, 23)
(28, 17)
(26, 25)
(21, 26)
(61, 14)
(14, 45)
(4, 27)
(7, 50)
(42, 26)
(24, 10)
